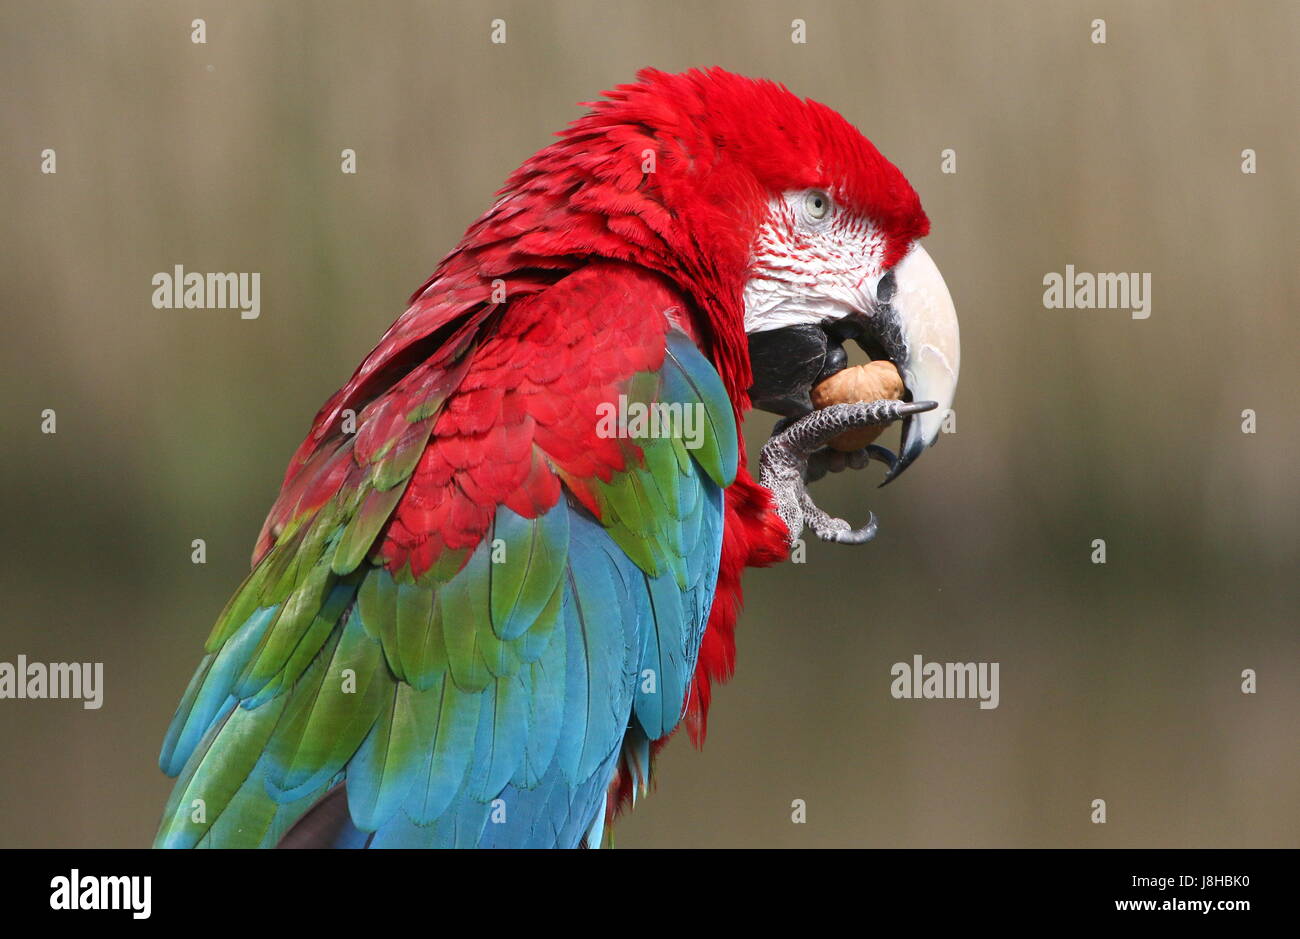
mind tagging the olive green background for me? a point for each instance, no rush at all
(1118, 681)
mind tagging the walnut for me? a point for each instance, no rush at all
(869, 382)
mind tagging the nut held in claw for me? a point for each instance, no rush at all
(870, 382)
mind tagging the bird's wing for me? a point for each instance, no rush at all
(457, 611)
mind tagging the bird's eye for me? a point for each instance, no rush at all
(817, 205)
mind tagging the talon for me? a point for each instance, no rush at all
(858, 535)
(837, 530)
(917, 407)
(882, 455)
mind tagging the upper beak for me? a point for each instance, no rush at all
(922, 339)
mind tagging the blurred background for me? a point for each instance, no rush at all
(1118, 681)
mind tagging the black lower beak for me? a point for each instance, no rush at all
(786, 363)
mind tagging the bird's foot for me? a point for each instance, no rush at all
(797, 454)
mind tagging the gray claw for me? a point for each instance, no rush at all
(857, 535)
(796, 455)
(881, 454)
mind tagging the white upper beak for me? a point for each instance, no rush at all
(931, 353)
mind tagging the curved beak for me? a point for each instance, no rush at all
(925, 344)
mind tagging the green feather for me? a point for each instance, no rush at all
(384, 768)
(229, 751)
(536, 551)
(397, 465)
(330, 713)
(422, 648)
(463, 600)
(443, 772)
(364, 527)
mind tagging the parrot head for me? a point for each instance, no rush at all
(791, 231)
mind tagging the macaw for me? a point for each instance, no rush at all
(477, 608)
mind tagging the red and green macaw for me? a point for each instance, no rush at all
(478, 607)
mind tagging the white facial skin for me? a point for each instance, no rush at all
(813, 261)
